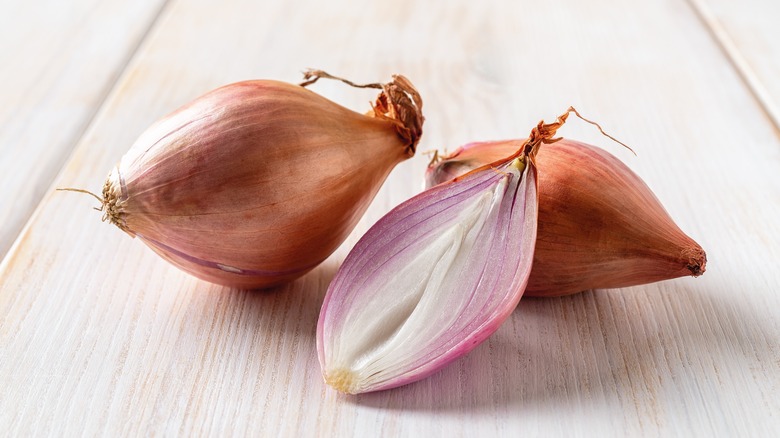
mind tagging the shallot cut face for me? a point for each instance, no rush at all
(438, 274)
(430, 281)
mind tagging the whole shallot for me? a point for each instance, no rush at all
(257, 182)
(600, 225)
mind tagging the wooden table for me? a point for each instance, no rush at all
(99, 336)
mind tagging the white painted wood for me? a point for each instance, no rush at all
(57, 62)
(98, 336)
(749, 35)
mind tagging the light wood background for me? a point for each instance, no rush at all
(98, 336)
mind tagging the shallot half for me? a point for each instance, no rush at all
(435, 277)
(600, 225)
(257, 182)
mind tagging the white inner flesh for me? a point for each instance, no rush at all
(423, 299)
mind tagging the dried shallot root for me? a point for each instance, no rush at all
(257, 182)
(600, 225)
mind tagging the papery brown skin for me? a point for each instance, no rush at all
(600, 225)
(255, 183)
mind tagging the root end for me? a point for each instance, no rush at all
(342, 380)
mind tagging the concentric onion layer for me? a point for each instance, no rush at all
(430, 281)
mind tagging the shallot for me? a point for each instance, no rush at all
(600, 225)
(435, 277)
(256, 183)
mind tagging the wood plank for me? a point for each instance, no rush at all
(105, 338)
(57, 62)
(748, 34)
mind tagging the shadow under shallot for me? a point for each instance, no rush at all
(295, 307)
(626, 349)
(629, 349)
(499, 372)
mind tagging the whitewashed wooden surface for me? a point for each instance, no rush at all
(747, 32)
(58, 60)
(98, 336)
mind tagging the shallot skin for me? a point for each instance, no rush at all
(431, 280)
(600, 225)
(253, 184)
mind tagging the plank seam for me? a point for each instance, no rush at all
(87, 125)
(741, 65)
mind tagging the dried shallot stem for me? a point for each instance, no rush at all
(399, 102)
(544, 133)
(311, 76)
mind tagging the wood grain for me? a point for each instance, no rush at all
(98, 336)
(57, 62)
(748, 34)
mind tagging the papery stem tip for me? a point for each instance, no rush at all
(311, 76)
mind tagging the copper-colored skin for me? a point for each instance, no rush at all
(600, 225)
(255, 183)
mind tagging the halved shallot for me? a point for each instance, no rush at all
(434, 277)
